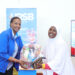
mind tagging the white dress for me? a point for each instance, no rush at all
(58, 57)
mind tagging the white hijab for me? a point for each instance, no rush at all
(56, 52)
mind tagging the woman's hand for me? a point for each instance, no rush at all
(24, 64)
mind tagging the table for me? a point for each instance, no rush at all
(29, 72)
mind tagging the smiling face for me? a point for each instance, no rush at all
(15, 25)
(52, 32)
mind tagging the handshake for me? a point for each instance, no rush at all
(35, 64)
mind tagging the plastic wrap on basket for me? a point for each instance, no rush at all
(30, 53)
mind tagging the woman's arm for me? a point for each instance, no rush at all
(22, 63)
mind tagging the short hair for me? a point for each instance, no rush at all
(14, 18)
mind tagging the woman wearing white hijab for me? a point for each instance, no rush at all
(57, 55)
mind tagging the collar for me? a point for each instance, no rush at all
(14, 35)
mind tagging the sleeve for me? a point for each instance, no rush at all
(4, 46)
(58, 63)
